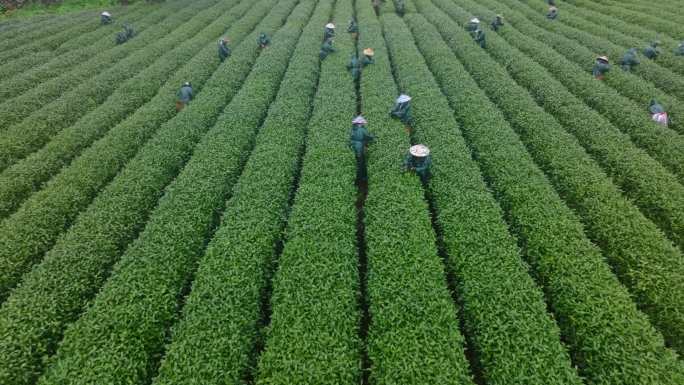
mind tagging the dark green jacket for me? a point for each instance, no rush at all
(354, 67)
(329, 33)
(223, 51)
(353, 27)
(420, 165)
(367, 60)
(105, 19)
(402, 111)
(326, 49)
(600, 68)
(630, 59)
(497, 23)
(552, 15)
(472, 27)
(679, 51)
(185, 94)
(263, 40)
(651, 51)
(480, 38)
(359, 138)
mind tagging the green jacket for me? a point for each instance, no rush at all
(497, 23)
(630, 59)
(223, 51)
(359, 138)
(420, 165)
(104, 19)
(353, 26)
(552, 15)
(185, 94)
(402, 111)
(326, 49)
(480, 38)
(651, 51)
(679, 51)
(472, 27)
(263, 40)
(328, 34)
(367, 60)
(600, 68)
(354, 67)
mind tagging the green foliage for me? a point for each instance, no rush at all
(215, 338)
(75, 268)
(580, 287)
(493, 282)
(313, 336)
(414, 336)
(139, 301)
(26, 34)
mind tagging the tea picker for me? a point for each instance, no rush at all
(368, 54)
(652, 51)
(184, 96)
(473, 25)
(329, 31)
(263, 40)
(679, 51)
(418, 160)
(125, 35)
(223, 49)
(326, 49)
(601, 67)
(479, 38)
(497, 23)
(630, 60)
(553, 13)
(358, 141)
(401, 7)
(402, 111)
(105, 18)
(658, 113)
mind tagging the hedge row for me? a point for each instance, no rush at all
(626, 83)
(659, 10)
(414, 335)
(17, 234)
(29, 33)
(654, 189)
(40, 51)
(216, 337)
(148, 280)
(33, 70)
(646, 261)
(662, 143)
(88, 82)
(28, 174)
(589, 33)
(71, 273)
(656, 24)
(313, 336)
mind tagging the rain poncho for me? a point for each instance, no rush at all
(354, 67)
(652, 51)
(326, 49)
(630, 59)
(402, 110)
(421, 165)
(263, 40)
(658, 113)
(223, 50)
(185, 94)
(601, 67)
(497, 23)
(105, 18)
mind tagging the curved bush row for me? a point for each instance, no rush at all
(140, 300)
(46, 29)
(657, 24)
(27, 175)
(73, 270)
(32, 70)
(414, 335)
(313, 336)
(32, 133)
(626, 83)
(652, 9)
(217, 333)
(46, 90)
(33, 229)
(657, 192)
(646, 261)
(600, 36)
(610, 340)
(662, 143)
(43, 50)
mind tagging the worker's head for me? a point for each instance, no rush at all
(553, 9)
(330, 26)
(475, 20)
(359, 120)
(403, 98)
(499, 17)
(603, 59)
(186, 84)
(106, 14)
(369, 52)
(656, 43)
